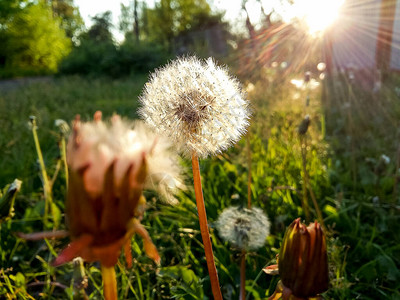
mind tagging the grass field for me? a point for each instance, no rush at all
(354, 185)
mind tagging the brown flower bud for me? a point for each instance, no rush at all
(303, 262)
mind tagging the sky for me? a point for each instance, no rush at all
(317, 12)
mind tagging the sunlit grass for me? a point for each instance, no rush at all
(361, 217)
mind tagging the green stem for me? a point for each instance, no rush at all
(249, 171)
(45, 178)
(242, 295)
(63, 149)
(308, 185)
(304, 164)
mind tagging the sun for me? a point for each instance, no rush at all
(322, 14)
(318, 14)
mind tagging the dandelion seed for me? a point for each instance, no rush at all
(244, 228)
(196, 103)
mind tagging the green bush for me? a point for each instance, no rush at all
(104, 58)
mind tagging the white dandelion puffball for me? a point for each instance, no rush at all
(197, 104)
(244, 228)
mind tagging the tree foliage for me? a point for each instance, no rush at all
(71, 19)
(170, 18)
(101, 28)
(33, 41)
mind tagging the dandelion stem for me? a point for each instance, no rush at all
(249, 171)
(243, 276)
(308, 186)
(45, 178)
(63, 150)
(109, 283)
(396, 177)
(243, 256)
(304, 164)
(79, 279)
(351, 134)
(205, 235)
(55, 174)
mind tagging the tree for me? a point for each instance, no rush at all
(101, 28)
(170, 18)
(71, 19)
(33, 40)
(7, 9)
(96, 54)
(129, 19)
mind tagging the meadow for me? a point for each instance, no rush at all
(348, 160)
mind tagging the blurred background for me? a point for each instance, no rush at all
(118, 38)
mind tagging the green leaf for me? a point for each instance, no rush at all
(188, 281)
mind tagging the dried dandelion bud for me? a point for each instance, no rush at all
(109, 167)
(307, 76)
(244, 228)
(303, 262)
(62, 126)
(7, 199)
(196, 103)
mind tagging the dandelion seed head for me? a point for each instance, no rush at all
(96, 145)
(197, 104)
(244, 228)
(62, 126)
(385, 159)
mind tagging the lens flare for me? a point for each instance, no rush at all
(318, 14)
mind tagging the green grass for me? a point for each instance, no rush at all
(60, 98)
(363, 237)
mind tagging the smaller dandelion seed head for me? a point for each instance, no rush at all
(62, 126)
(244, 228)
(385, 159)
(197, 104)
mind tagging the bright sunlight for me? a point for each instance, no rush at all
(318, 14)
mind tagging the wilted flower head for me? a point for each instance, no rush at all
(7, 198)
(198, 104)
(109, 167)
(245, 228)
(95, 146)
(303, 127)
(307, 76)
(303, 262)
